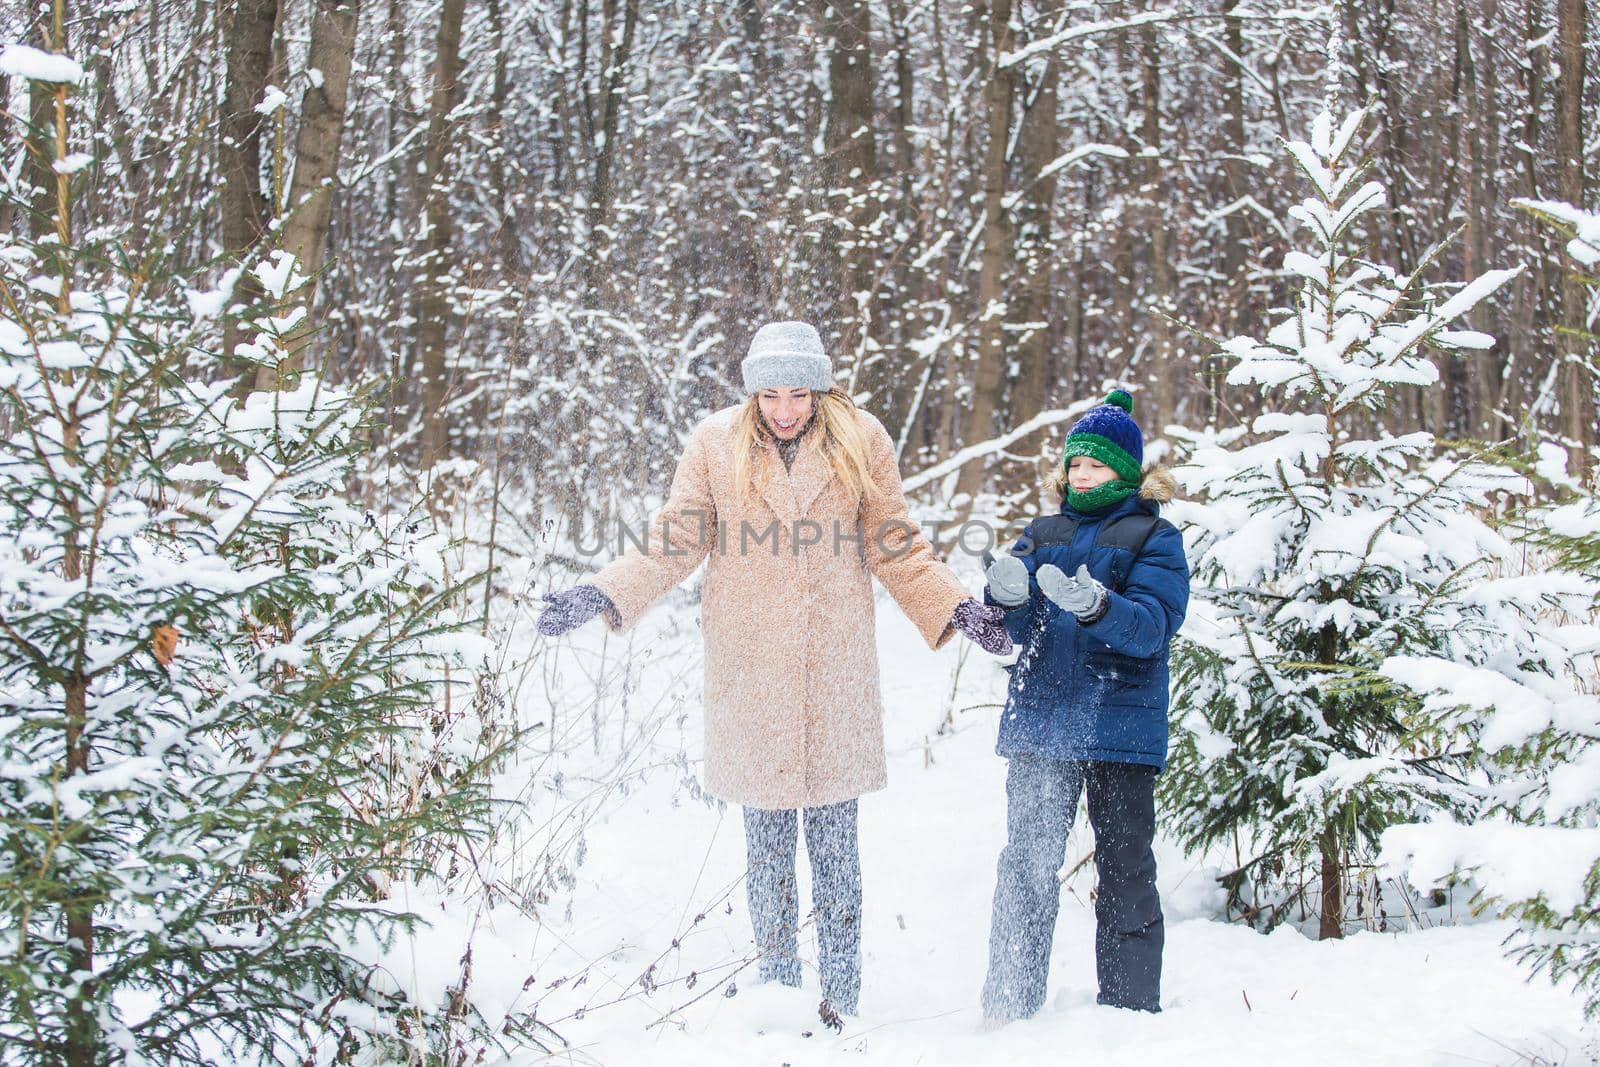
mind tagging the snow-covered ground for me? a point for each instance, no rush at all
(661, 867)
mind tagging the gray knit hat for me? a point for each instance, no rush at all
(787, 355)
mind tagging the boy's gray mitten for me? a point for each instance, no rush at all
(1080, 594)
(1008, 581)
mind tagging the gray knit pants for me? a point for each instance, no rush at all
(771, 840)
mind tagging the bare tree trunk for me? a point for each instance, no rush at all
(615, 49)
(41, 142)
(1329, 844)
(904, 313)
(945, 438)
(316, 161)
(244, 207)
(394, 35)
(1577, 378)
(1161, 372)
(1123, 333)
(82, 1037)
(1236, 235)
(613, 67)
(1038, 146)
(1330, 917)
(563, 134)
(1452, 414)
(109, 117)
(850, 169)
(41, 155)
(1070, 372)
(1543, 302)
(8, 209)
(1395, 131)
(904, 113)
(506, 198)
(999, 92)
(433, 305)
(1488, 367)
(1234, 169)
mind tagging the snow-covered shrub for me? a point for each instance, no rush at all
(226, 719)
(1534, 853)
(1322, 545)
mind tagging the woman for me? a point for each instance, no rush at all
(795, 496)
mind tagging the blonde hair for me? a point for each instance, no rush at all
(844, 445)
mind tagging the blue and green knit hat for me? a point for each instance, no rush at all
(1109, 434)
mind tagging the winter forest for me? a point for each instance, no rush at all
(352, 354)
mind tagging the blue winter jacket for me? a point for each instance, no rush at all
(1098, 691)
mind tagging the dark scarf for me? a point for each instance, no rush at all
(788, 450)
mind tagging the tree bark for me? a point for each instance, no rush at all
(999, 92)
(1162, 373)
(243, 204)
(507, 198)
(1039, 144)
(38, 167)
(1236, 234)
(1395, 132)
(1488, 367)
(41, 155)
(1453, 415)
(1070, 372)
(904, 112)
(906, 311)
(614, 53)
(316, 162)
(433, 305)
(1543, 299)
(849, 171)
(82, 1036)
(1576, 378)
(8, 208)
(1330, 918)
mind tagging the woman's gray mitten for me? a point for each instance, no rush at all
(1008, 581)
(573, 607)
(1080, 594)
(984, 624)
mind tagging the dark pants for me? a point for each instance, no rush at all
(1041, 800)
(770, 839)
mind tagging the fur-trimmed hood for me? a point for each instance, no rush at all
(1158, 486)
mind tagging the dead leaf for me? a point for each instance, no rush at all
(164, 643)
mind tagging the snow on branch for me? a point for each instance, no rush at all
(1507, 861)
(989, 447)
(23, 61)
(1147, 18)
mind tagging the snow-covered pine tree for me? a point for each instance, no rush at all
(1320, 547)
(222, 726)
(1533, 854)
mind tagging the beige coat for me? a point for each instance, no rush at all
(793, 715)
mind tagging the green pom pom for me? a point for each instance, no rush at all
(1122, 399)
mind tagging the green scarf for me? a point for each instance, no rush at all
(1101, 496)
